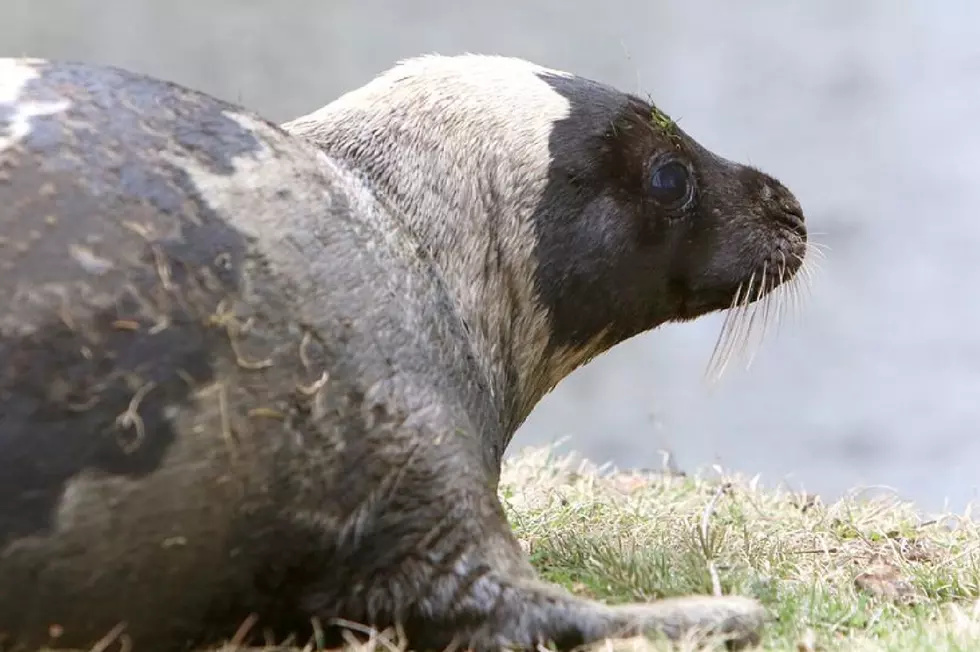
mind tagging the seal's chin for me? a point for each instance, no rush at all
(758, 284)
(693, 306)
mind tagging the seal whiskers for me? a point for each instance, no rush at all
(735, 337)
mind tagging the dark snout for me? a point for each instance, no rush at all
(749, 237)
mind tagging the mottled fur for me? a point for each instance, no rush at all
(243, 373)
(462, 187)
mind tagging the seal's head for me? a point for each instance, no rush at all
(563, 215)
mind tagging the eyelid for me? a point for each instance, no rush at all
(665, 158)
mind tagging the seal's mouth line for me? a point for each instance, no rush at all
(761, 301)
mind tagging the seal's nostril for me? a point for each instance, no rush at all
(792, 221)
(790, 214)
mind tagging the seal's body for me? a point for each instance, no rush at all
(247, 372)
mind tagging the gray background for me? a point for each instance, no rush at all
(868, 110)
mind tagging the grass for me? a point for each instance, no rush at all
(857, 574)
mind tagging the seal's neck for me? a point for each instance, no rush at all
(461, 165)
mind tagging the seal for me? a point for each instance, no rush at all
(266, 374)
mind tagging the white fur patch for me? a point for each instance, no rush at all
(15, 75)
(254, 183)
(89, 260)
(451, 138)
(231, 193)
(249, 198)
(79, 494)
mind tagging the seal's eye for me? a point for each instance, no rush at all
(670, 183)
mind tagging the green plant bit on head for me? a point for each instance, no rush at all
(666, 124)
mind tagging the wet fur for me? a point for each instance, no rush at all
(244, 373)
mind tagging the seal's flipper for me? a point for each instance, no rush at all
(495, 613)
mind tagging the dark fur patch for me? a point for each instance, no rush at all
(79, 350)
(610, 259)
